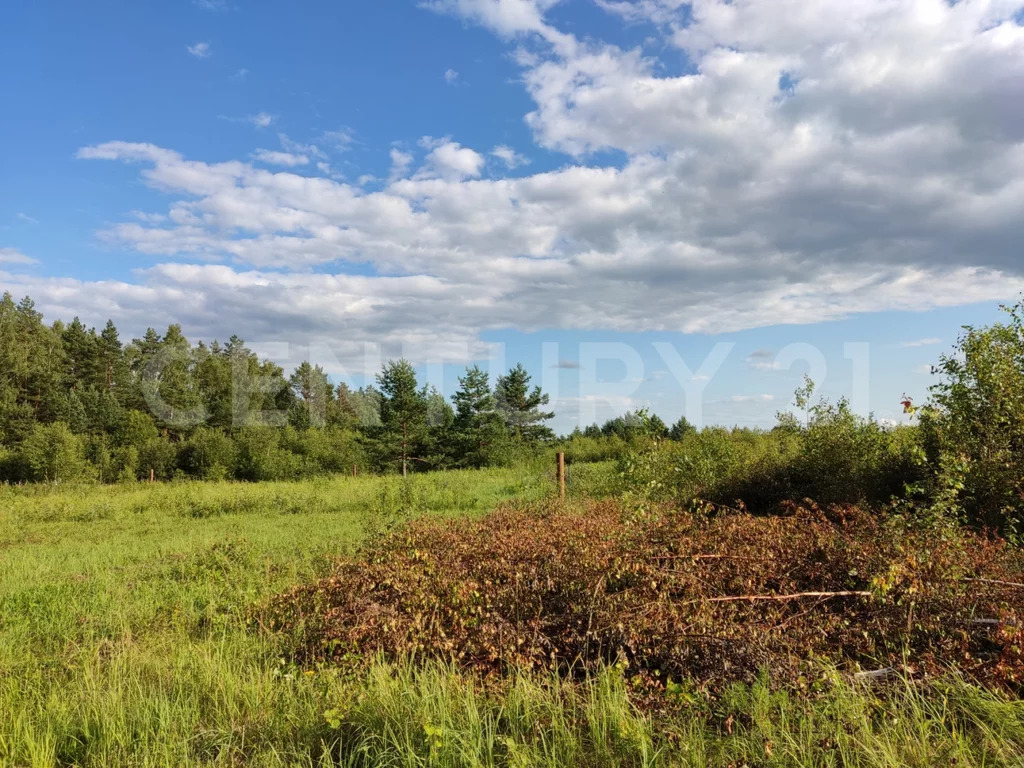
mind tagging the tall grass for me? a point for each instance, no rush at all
(124, 640)
(231, 702)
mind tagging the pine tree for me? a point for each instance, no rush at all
(681, 429)
(403, 414)
(170, 384)
(112, 360)
(344, 414)
(656, 427)
(82, 355)
(521, 406)
(479, 428)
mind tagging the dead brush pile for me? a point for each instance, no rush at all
(670, 595)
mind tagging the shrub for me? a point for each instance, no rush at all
(159, 455)
(670, 594)
(976, 433)
(846, 458)
(260, 456)
(838, 457)
(52, 453)
(209, 454)
(329, 450)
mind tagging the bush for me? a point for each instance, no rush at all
(325, 451)
(670, 594)
(260, 456)
(976, 430)
(838, 457)
(159, 455)
(209, 454)
(846, 458)
(52, 453)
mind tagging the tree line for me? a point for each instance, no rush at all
(77, 403)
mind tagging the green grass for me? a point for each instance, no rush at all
(124, 641)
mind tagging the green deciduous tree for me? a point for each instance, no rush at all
(53, 453)
(314, 397)
(977, 428)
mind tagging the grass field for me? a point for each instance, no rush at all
(125, 640)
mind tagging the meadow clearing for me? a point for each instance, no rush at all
(127, 639)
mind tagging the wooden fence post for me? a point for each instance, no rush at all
(152, 475)
(561, 475)
(355, 470)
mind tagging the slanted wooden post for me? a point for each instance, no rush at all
(561, 475)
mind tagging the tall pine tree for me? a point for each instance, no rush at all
(404, 432)
(521, 406)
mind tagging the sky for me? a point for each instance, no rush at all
(680, 206)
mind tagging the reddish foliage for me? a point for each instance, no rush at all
(537, 587)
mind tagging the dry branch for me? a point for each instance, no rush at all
(797, 596)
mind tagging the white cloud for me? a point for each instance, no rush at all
(576, 248)
(26, 218)
(341, 140)
(820, 160)
(401, 162)
(921, 343)
(14, 256)
(260, 119)
(287, 159)
(509, 157)
(451, 76)
(507, 18)
(199, 50)
(450, 161)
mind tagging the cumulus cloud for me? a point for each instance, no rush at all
(450, 161)
(507, 18)
(199, 50)
(815, 161)
(451, 76)
(401, 162)
(921, 343)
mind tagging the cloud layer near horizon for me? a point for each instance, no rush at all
(814, 161)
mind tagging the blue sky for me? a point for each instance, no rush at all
(354, 180)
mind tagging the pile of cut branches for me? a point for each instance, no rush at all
(671, 595)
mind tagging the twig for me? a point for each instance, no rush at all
(876, 674)
(797, 596)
